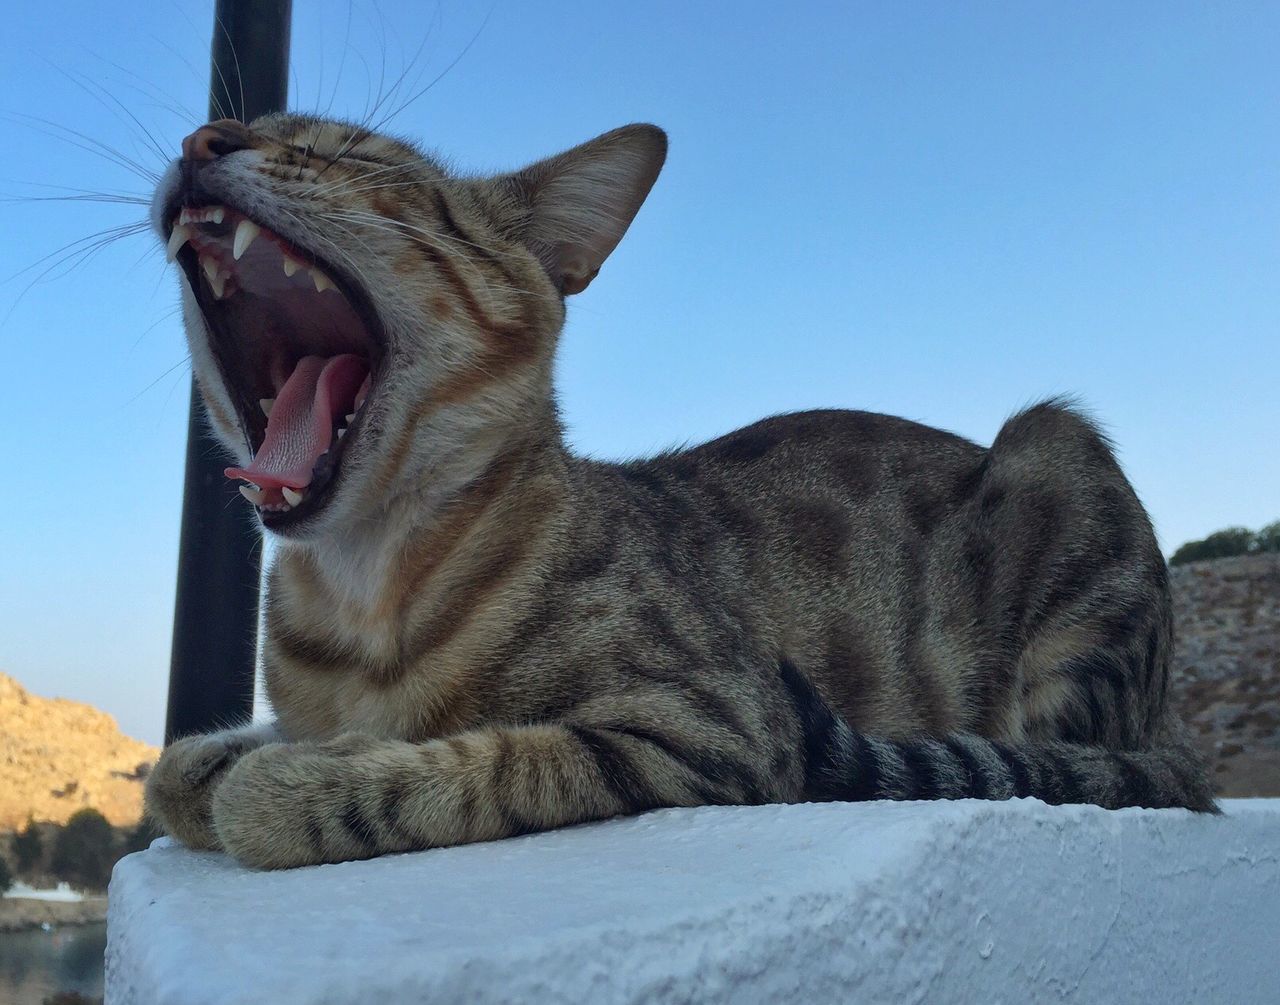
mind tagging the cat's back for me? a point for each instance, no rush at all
(814, 497)
(804, 471)
(862, 452)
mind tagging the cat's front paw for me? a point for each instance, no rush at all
(179, 790)
(287, 805)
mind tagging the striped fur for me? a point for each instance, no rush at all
(484, 635)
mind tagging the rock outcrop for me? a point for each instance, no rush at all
(1226, 677)
(59, 756)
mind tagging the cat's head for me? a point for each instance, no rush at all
(396, 322)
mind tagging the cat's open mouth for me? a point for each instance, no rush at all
(299, 348)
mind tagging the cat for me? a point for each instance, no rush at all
(471, 633)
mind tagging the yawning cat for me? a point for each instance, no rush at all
(471, 633)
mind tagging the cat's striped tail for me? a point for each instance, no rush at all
(848, 766)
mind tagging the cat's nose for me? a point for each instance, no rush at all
(215, 140)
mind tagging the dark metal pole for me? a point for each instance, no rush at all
(215, 624)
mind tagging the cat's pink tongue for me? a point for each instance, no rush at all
(300, 427)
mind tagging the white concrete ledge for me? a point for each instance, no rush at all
(893, 902)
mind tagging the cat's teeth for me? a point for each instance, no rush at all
(254, 495)
(351, 418)
(176, 240)
(210, 266)
(218, 283)
(204, 214)
(291, 265)
(292, 496)
(266, 404)
(322, 281)
(342, 431)
(246, 231)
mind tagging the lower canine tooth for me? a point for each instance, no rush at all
(322, 281)
(254, 496)
(291, 497)
(266, 404)
(218, 283)
(291, 265)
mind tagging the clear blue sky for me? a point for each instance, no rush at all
(937, 210)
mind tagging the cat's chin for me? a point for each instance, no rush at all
(299, 351)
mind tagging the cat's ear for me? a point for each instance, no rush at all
(573, 208)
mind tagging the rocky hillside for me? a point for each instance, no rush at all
(57, 756)
(1227, 668)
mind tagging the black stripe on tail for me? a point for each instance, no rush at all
(841, 764)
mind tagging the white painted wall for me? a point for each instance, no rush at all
(895, 902)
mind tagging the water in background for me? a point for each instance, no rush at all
(35, 964)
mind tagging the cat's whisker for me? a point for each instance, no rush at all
(111, 198)
(210, 92)
(182, 362)
(87, 245)
(395, 226)
(342, 257)
(440, 76)
(99, 93)
(142, 86)
(430, 238)
(235, 58)
(84, 142)
(350, 186)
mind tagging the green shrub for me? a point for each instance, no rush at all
(1219, 544)
(1268, 538)
(85, 850)
(140, 838)
(28, 849)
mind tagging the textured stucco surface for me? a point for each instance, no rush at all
(901, 902)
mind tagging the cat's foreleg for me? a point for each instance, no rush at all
(179, 789)
(288, 805)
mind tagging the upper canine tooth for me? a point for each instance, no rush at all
(246, 231)
(291, 265)
(176, 240)
(266, 404)
(292, 496)
(322, 281)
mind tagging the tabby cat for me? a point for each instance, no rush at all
(471, 633)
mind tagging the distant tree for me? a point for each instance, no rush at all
(85, 850)
(6, 877)
(1268, 538)
(1219, 544)
(140, 837)
(28, 848)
